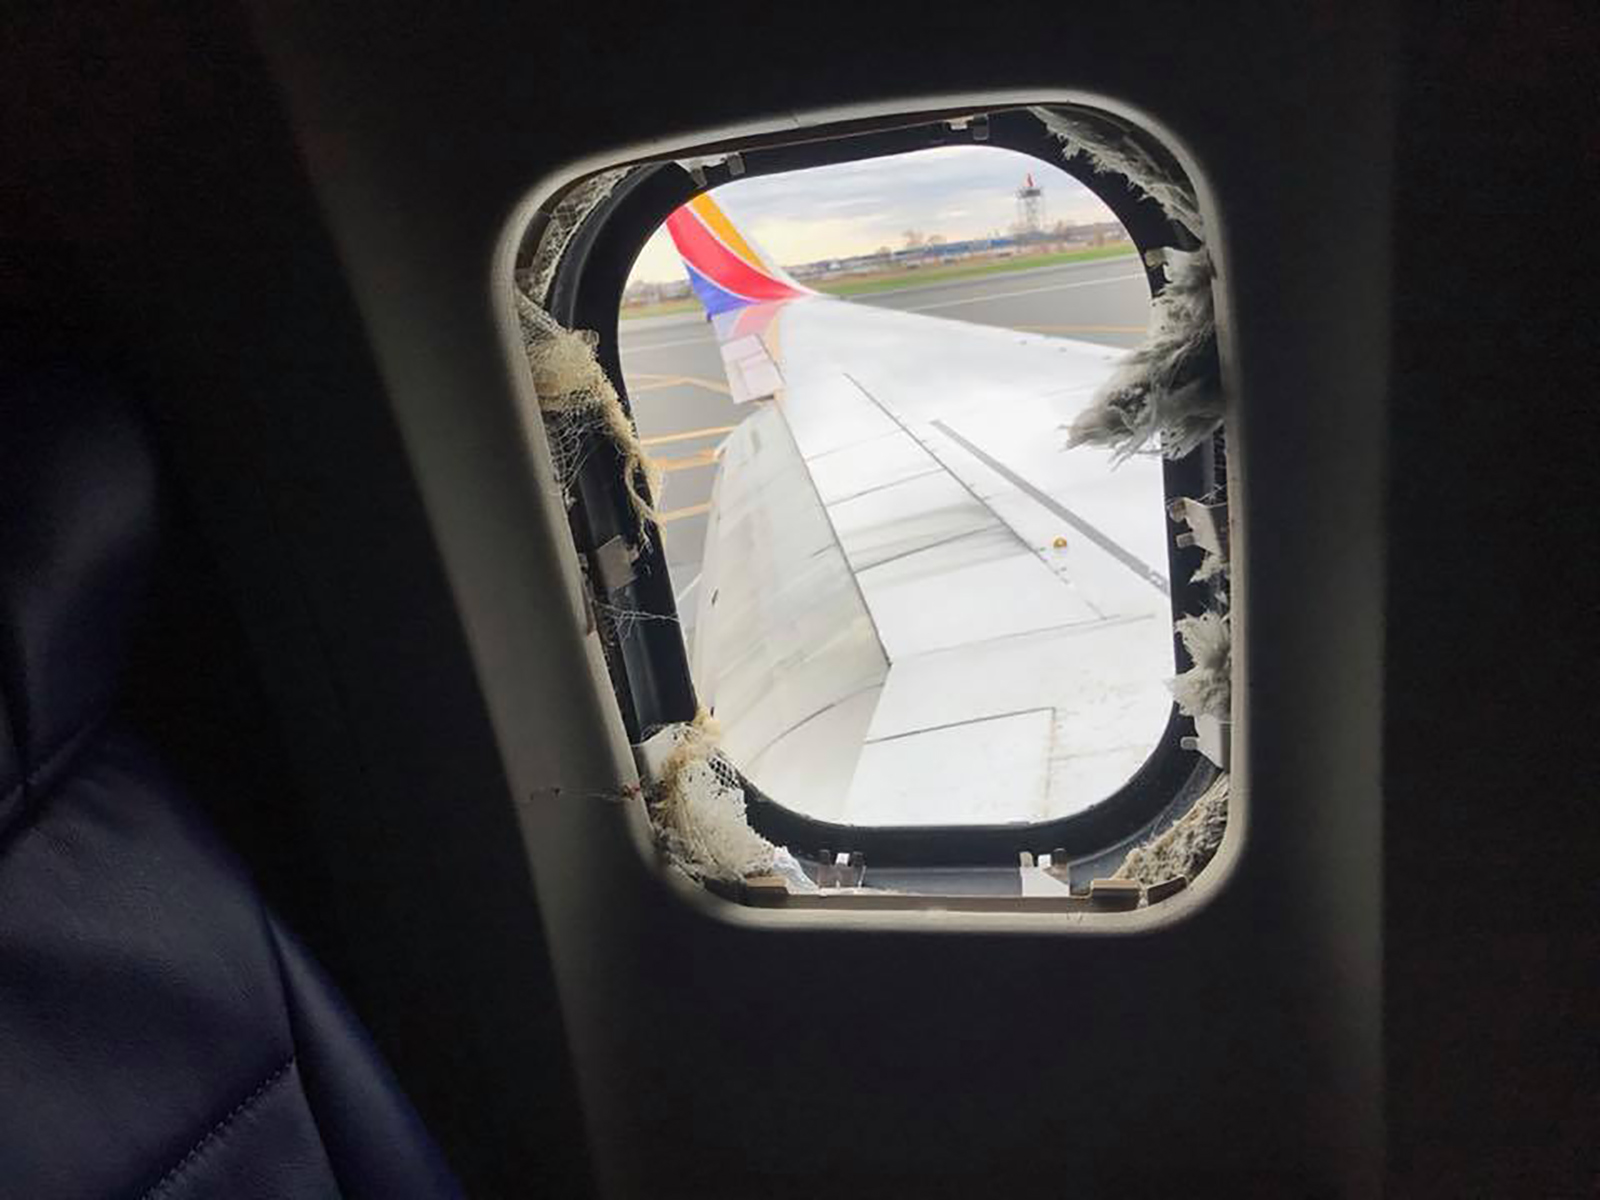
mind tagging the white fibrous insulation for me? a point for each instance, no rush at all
(1168, 392)
(1187, 846)
(699, 811)
(1111, 153)
(1208, 532)
(564, 220)
(1205, 689)
(577, 399)
(1211, 567)
(787, 868)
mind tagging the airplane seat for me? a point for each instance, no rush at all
(161, 1034)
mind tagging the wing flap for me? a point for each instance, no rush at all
(973, 626)
(785, 652)
(752, 373)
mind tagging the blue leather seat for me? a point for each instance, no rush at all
(161, 1034)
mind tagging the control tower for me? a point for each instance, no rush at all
(1030, 208)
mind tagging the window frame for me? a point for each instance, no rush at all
(647, 661)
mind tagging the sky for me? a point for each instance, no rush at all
(854, 208)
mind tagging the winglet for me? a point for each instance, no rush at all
(725, 269)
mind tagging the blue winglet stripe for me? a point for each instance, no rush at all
(715, 299)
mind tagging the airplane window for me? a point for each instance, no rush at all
(904, 600)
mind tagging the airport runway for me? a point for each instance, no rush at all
(680, 398)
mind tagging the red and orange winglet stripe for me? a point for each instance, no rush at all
(726, 270)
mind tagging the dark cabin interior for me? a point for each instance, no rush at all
(270, 230)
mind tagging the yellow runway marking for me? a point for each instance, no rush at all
(650, 383)
(688, 436)
(1083, 328)
(701, 458)
(678, 514)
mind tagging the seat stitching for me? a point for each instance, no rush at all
(275, 938)
(40, 768)
(13, 824)
(216, 1130)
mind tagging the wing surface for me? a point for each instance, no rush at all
(916, 608)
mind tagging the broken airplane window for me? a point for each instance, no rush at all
(903, 601)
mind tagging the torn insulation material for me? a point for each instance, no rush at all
(698, 808)
(1184, 849)
(1205, 689)
(564, 220)
(1112, 152)
(1208, 531)
(1212, 566)
(577, 399)
(786, 866)
(1169, 390)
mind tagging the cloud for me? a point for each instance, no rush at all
(839, 202)
(802, 239)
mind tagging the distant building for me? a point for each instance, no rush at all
(1030, 209)
(1062, 235)
(650, 292)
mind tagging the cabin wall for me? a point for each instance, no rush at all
(720, 1052)
(299, 223)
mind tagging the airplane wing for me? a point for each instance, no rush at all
(915, 606)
